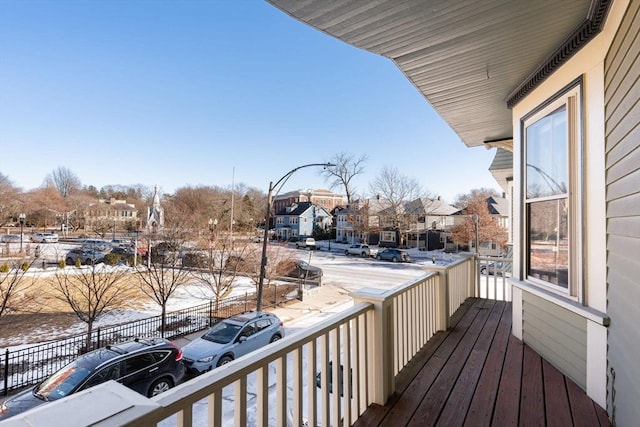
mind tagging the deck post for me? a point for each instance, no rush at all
(442, 301)
(443, 297)
(382, 349)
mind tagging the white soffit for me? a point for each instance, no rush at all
(466, 57)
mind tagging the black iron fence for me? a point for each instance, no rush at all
(27, 366)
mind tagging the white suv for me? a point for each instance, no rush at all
(44, 238)
(358, 249)
(309, 243)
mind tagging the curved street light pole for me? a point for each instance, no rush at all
(263, 260)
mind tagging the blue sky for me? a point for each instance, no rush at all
(179, 93)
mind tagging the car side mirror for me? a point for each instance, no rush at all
(242, 339)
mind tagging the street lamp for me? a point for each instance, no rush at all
(476, 226)
(21, 219)
(272, 186)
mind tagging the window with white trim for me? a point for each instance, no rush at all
(552, 190)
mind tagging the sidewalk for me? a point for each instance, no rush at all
(324, 299)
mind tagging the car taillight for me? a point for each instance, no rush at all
(281, 323)
(179, 355)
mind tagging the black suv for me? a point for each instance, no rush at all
(148, 366)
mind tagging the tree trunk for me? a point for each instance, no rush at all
(87, 344)
(163, 324)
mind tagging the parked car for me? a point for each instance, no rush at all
(392, 254)
(300, 270)
(44, 238)
(96, 244)
(121, 243)
(124, 251)
(231, 338)
(195, 259)
(308, 243)
(147, 366)
(359, 249)
(86, 256)
(10, 238)
(493, 268)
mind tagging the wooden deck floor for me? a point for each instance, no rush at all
(478, 374)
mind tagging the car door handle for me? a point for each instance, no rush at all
(154, 369)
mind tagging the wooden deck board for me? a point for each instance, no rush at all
(411, 399)
(456, 407)
(556, 399)
(432, 405)
(478, 374)
(480, 411)
(532, 394)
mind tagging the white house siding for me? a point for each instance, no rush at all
(622, 147)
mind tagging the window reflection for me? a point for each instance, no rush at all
(548, 241)
(547, 155)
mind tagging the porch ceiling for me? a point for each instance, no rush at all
(470, 59)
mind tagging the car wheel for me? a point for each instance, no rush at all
(69, 261)
(159, 386)
(346, 253)
(483, 270)
(364, 254)
(378, 257)
(275, 338)
(394, 259)
(224, 360)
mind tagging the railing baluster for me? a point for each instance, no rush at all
(240, 401)
(312, 399)
(297, 386)
(335, 375)
(346, 374)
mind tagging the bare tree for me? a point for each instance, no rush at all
(102, 227)
(9, 200)
(90, 292)
(45, 206)
(463, 200)
(64, 181)
(14, 286)
(396, 190)
(276, 266)
(164, 272)
(347, 167)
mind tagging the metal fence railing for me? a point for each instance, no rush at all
(27, 366)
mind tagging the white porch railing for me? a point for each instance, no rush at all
(371, 342)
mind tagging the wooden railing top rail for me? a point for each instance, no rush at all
(379, 295)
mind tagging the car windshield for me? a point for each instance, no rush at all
(303, 265)
(62, 383)
(222, 333)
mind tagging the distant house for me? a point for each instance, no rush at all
(320, 197)
(298, 220)
(421, 223)
(428, 222)
(118, 212)
(360, 221)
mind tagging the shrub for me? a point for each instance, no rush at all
(25, 266)
(78, 263)
(112, 259)
(62, 264)
(4, 268)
